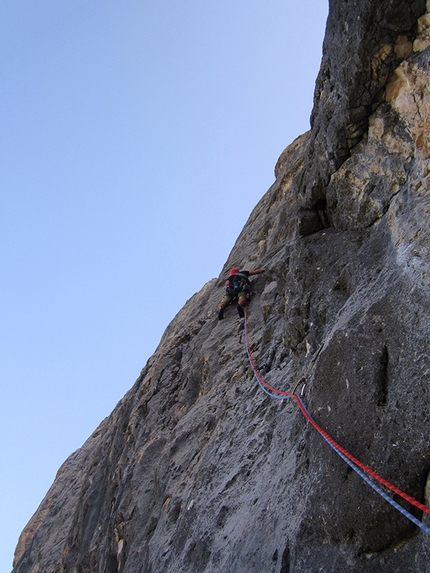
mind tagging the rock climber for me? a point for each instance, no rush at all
(237, 289)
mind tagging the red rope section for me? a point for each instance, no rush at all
(254, 367)
(309, 418)
(354, 460)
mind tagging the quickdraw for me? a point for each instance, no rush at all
(361, 469)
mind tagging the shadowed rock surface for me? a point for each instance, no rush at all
(197, 470)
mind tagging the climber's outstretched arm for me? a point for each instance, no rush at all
(256, 272)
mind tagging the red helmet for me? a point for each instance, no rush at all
(234, 272)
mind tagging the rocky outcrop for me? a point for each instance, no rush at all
(365, 42)
(196, 469)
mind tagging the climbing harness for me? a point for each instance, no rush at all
(238, 282)
(361, 469)
(238, 286)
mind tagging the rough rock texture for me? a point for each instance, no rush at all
(197, 470)
(365, 42)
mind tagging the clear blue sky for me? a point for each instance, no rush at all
(137, 136)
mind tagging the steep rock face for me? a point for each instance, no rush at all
(197, 470)
(365, 42)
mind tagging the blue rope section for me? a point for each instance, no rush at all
(366, 478)
(377, 489)
(254, 370)
(276, 396)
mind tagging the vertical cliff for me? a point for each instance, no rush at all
(197, 469)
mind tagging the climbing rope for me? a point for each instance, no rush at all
(360, 468)
(272, 392)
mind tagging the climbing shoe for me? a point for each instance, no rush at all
(240, 311)
(221, 314)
